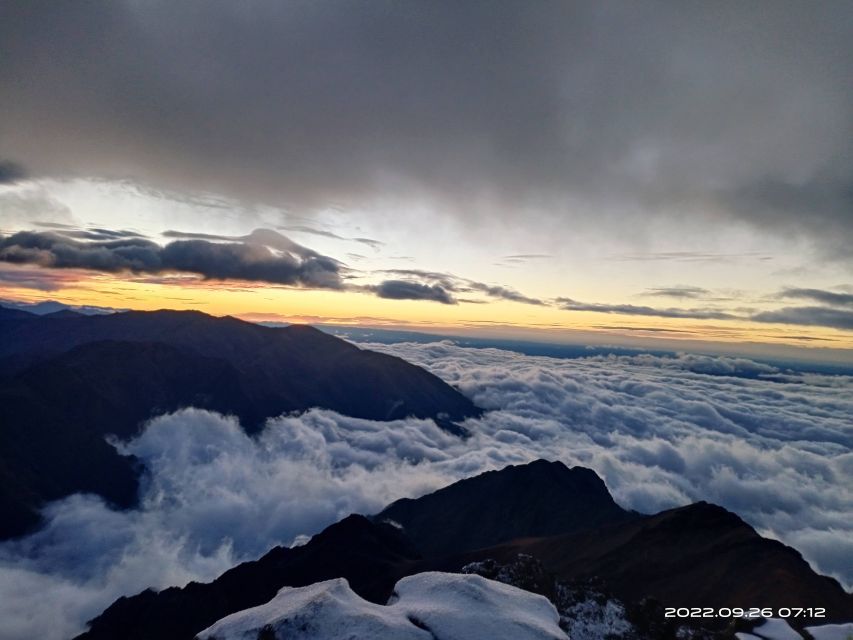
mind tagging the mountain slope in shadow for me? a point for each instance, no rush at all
(700, 554)
(537, 499)
(372, 557)
(281, 368)
(68, 380)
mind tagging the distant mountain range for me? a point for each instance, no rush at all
(67, 380)
(700, 555)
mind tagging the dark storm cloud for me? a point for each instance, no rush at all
(447, 280)
(741, 110)
(234, 261)
(456, 284)
(820, 295)
(407, 290)
(262, 256)
(634, 310)
(826, 200)
(265, 237)
(11, 172)
(808, 316)
(59, 251)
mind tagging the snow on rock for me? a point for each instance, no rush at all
(468, 607)
(423, 607)
(832, 631)
(778, 629)
(771, 629)
(586, 610)
(327, 609)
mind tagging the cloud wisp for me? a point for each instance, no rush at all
(370, 242)
(422, 282)
(823, 296)
(39, 279)
(808, 316)
(662, 431)
(408, 290)
(681, 291)
(635, 310)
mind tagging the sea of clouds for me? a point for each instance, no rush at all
(775, 447)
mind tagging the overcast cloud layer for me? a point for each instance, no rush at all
(771, 446)
(483, 109)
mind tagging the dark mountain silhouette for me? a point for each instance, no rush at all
(67, 380)
(699, 555)
(283, 368)
(7, 313)
(537, 499)
(62, 313)
(371, 556)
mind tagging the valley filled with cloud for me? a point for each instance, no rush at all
(662, 431)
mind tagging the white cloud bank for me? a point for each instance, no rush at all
(662, 432)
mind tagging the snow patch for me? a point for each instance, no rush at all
(832, 631)
(776, 629)
(423, 607)
(779, 629)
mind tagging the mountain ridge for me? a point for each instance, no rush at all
(344, 549)
(539, 498)
(67, 381)
(698, 555)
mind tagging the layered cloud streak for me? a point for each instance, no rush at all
(263, 256)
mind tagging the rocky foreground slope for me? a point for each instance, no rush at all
(699, 555)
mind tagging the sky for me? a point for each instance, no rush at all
(674, 174)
